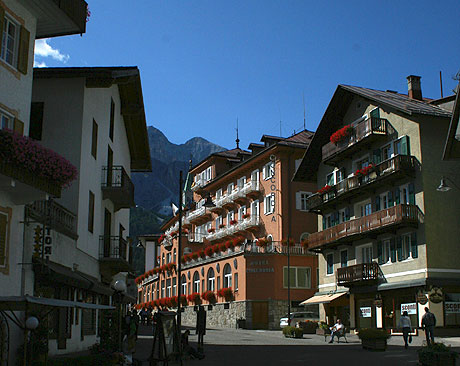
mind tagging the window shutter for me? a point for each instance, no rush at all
(377, 204)
(411, 194)
(405, 148)
(380, 252)
(376, 156)
(397, 196)
(375, 113)
(23, 54)
(399, 248)
(298, 204)
(347, 213)
(2, 19)
(264, 172)
(18, 127)
(36, 120)
(324, 223)
(413, 245)
(392, 250)
(3, 222)
(390, 199)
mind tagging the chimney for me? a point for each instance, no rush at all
(414, 87)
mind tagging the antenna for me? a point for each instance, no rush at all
(237, 139)
(279, 109)
(440, 82)
(303, 100)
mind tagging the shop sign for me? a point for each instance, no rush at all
(411, 308)
(452, 307)
(436, 295)
(421, 298)
(366, 312)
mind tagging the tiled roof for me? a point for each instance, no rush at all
(398, 101)
(303, 137)
(233, 153)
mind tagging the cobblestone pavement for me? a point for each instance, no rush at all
(255, 347)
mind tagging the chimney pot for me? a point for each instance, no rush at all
(414, 87)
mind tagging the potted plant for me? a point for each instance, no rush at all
(209, 296)
(323, 328)
(292, 332)
(437, 354)
(373, 338)
(194, 298)
(209, 251)
(233, 222)
(246, 216)
(325, 189)
(308, 326)
(226, 293)
(341, 134)
(262, 242)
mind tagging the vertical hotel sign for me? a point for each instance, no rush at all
(272, 186)
(42, 242)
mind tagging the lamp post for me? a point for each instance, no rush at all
(179, 259)
(119, 287)
(444, 187)
(31, 324)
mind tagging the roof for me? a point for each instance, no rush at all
(132, 102)
(335, 111)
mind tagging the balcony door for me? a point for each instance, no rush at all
(107, 232)
(109, 166)
(364, 254)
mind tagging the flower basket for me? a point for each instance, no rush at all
(222, 247)
(262, 242)
(292, 332)
(437, 354)
(209, 251)
(194, 298)
(226, 293)
(238, 241)
(195, 255)
(221, 226)
(233, 222)
(364, 171)
(246, 216)
(229, 244)
(215, 248)
(202, 254)
(341, 134)
(325, 189)
(183, 300)
(209, 296)
(373, 339)
(211, 230)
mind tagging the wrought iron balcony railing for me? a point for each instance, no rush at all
(113, 247)
(117, 187)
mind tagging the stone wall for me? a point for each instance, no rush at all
(218, 317)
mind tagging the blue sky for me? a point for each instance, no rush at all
(205, 63)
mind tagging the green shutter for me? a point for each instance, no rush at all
(23, 54)
(392, 250)
(377, 204)
(390, 199)
(324, 223)
(380, 252)
(377, 156)
(411, 194)
(405, 147)
(413, 245)
(375, 113)
(3, 226)
(397, 196)
(2, 19)
(399, 248)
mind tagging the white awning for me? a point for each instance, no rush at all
(21, 303)
(322, 299)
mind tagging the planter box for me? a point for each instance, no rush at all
(374, 344)
(437, 359)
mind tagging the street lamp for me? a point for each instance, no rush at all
(444, 187)
(119, 287)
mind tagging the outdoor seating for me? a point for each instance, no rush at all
(340, 334)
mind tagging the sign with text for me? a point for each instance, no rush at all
(411, 308)
(452, 307)
(365, 312)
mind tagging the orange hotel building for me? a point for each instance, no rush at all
(241, 242)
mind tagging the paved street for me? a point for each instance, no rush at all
(256, 347)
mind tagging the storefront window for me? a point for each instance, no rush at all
(365, 313)
(452, 308)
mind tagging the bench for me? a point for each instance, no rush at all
(341, 334)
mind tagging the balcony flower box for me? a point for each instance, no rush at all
(325, 189)
(246, 216)
(211, 230)
(194, 298)
(221, 226)
(209, 251)
(284, 242)
(341, 134)
(229, 244)
(209, 296)
(373, 339)
(222, 247)
(202, 254)
(437, 354)
(364, 171)
(262, 242)
(226, 293)
(233, 222)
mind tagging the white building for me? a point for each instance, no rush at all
(21, 22)
(95, 118)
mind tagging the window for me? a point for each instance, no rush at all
(387, 152)
(255, 208)
(230, 188)
(364, 254)
(241, 212)
(94, 140)
(163, 288)
(330, 264)
(174, 286)
(168, 258)
(168, 287)
(299, 277)
(91, 212)
(227, 276)
(241, 182)
(269, 204)
(10, 41)
(219, 222)
(196, 282)
(451, 309)
(112, 118)
(219, 194)
(301, 200)
(304, 236)
(6, 120)
(183, 283)
(268, 170)
(4, 236)
(401, 146)
(230, 217)
(174, 255)
(211, 280)
(406, 246)
(344, 258)
(335, 177)
(386, 251)
(235, 280)
(255, 176)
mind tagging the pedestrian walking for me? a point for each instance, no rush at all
(428, 324)
(405, 324)
(201, 326)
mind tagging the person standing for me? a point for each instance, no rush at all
(201, 326)
(405, 324)
(428, 324)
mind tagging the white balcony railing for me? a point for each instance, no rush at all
(251, 221)
(219, 202)
(251, 186)
(198, 184)
(196, 213)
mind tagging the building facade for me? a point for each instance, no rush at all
(241, 242)
(387, 238)
(21, 23)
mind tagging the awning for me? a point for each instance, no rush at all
(20, 303)
(322, 299)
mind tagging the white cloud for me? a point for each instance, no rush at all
(39, 63)
(43, 49)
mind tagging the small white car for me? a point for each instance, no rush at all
(300, 316)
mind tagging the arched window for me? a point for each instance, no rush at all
(168, 258)
(183, 283)
(174, 256)
(163, 259)
(304, 236)
(211, 279)
(227, 276)
(270, 243)
(196, 282)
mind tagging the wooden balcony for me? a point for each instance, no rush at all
(117, 187)
(54, 215)
(383, 174)
(371, 225)
(113, 255)
(359, 274)
(366, 131)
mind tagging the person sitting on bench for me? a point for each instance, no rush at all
(336, 330)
